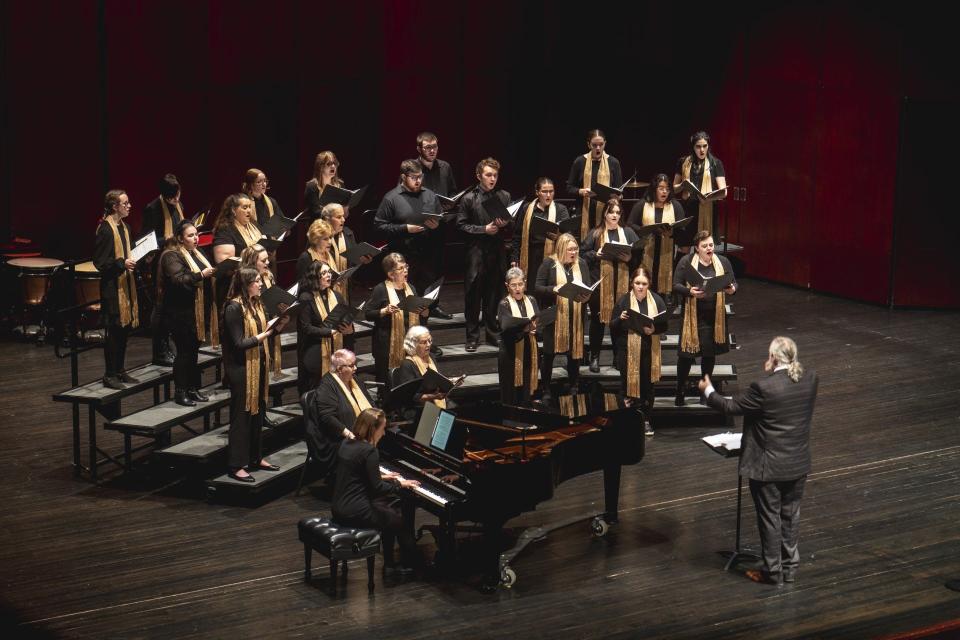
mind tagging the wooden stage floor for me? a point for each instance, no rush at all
(148, 557)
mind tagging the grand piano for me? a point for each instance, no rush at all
(492, 462)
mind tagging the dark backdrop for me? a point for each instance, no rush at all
(805, 105)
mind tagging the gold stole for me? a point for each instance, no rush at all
(705, 209)
(168, 219)
(608, 294)
(255, 321)
(573, 405)
(665, 271)
(422, 368)
(337, 247)
(525, 237)
(603, 177)
(250, 232)
(274, 340)
(126, 283)
(531, 343)
(397, 327)
(635, 348)
(562, 331)
(336, 339)
(690, 337)
(198, 301)
(358, 401)
(266, 201)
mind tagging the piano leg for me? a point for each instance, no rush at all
(611, 492)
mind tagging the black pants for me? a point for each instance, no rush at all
(483, 290)
(394, 517)
(115, 348)
(509, 394)
(596, 330)
(683, 369)
(161, 332)
(243, 439)
(186, 374)
(546, 370)
(778, 519)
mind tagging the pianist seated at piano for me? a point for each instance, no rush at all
(365, 496)
(517, 359)
(337, 403)
(416, 344)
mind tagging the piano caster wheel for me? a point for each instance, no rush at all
(599, 527)
(508, 578)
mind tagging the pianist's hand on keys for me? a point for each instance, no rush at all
(404, 483)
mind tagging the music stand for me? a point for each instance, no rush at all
(728, 446)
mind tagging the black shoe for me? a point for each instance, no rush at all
(263, 466)
(196, 394)
(233, 474)
(436, 353)
(126, 377)
(789, 575)
(438, 312)
(678, 400)
(493, 341)
(470, 347)
(163, 361)
(113, 382)
(180, 397)
(647, 428)
(595, 364)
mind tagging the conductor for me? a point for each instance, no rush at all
(775, 453)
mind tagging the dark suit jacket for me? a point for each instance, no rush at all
(776, 425)
(328, 414)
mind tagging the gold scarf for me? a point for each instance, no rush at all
(126, 282)
(398, 329)
(422, 368)
(562, 338)
(573, 405)
(530, 342)
(250, 232)
(358, 401)
(198, 302)
(336, 338)
(705, 209)
(525, 236)
(690, 337)
(274, 340)
(168, 219)
(635, 348)
(665, 270)
(608, 293)
(337, 248)
(266, 201)
(254, 322)
(603, 177)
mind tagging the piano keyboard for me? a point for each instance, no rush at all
(423, 491)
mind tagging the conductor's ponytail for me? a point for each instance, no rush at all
(784, 351)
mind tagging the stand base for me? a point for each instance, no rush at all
(735, 557)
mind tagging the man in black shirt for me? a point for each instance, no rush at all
(437, 174)
(161, 215)
(485, 252)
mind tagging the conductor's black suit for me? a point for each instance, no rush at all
(775, 456)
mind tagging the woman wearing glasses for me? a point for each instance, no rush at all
(326, 171)
(255, 185)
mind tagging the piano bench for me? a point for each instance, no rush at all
(338, 544)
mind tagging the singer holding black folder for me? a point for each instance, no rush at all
(343, 240)
(256, 257)
(564, 266)
(704, 330)
(486, 254)
(316, 340)
(416, 346)
(704, 170)
(184, 294)
(614, 268)
(658, 248)
(319, 240)
(518, 357)
(246, 362)
(255, 185)
(528, 249)
(595, 166)
(391, 323)
(234, 230)
(638, 352)
(326, 170)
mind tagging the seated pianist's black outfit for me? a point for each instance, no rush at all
(399, 208)
(334, 411)
(517, 358)
(266, 207)
(315, 340)
(247, 402)
(486, 263)
(566, 334)
(704, 328)
(528, 252)
(638, 355)
(363, 499)
(186, 297)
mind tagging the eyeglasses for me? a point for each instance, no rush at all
(415, 176)
(428, 147)
(352, 366)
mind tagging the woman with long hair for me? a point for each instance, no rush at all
(326, 171)
(656, 207)
(705, 171)
(255, 185)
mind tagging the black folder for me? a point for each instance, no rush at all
(541, 228)
(357, 251)
(269, 244)
(344, 197)
(227, 267)
(692, 189)
(273, 297)
(346, 274)
(615, 251)
(660, 228)
(411, 304)
(577, 291)
(544, 317)
(571, 226)
(449, 202)
(636, 321)
(709, 285)
(276, 225)
(340, 315)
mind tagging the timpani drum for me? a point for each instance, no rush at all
(86, 285)
(34, 274)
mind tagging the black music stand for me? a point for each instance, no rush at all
(738, 552)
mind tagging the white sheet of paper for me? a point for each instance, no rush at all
(144, 246)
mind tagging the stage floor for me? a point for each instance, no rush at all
(146, 556)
